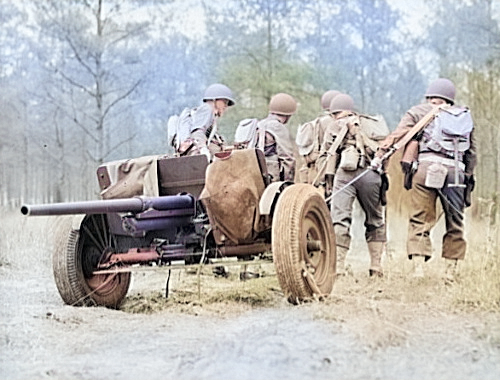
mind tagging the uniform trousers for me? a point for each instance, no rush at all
(423, 215)
(367, 191)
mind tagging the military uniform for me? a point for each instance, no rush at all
(278, 148)
(309, 140)
(203, 129)
(340, 141)
(423, 198)
(202, 136)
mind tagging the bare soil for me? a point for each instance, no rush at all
(223, 328)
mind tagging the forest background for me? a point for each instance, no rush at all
(84, 82)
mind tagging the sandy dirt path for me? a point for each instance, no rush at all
(387, 329)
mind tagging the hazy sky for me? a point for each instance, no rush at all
(415, 12)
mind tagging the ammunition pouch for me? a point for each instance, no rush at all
(470, 183)
(435, 175)
(349, 159)
(384, 186)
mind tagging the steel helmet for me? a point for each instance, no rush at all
(341, 102)
(327, 98)
(441, 88)
(282, 104)
(219, 91)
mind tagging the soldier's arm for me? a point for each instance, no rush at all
(406, 123)
(203, 118)
(285, 157)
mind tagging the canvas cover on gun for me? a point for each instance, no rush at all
(128, 178)
(233, 188)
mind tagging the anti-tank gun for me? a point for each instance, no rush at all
(165, 211)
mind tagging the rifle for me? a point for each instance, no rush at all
(422, 123)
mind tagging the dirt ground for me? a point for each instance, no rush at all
(222, 328)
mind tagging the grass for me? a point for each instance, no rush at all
(478, 285)
(213, 295)
(477, 289)
(27, 243)
(381, 312)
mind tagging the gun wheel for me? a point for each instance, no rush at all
(75, 262)
(303, 244)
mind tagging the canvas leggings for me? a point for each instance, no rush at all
(367, 191)
(423, 217)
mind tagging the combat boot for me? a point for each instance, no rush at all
(376, 248)
(450, 273)
(418, 266)
(341, 255)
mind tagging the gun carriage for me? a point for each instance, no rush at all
(160, 211)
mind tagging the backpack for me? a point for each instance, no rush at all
(449, 132)
(246, 133)
(307, 137)
(179, 127)
(374, 127)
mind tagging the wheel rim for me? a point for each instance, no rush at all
(303, 243)
(315, 245)
(96, 246)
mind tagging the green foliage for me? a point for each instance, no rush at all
(257, 62)
(86, 84)
(255, 87)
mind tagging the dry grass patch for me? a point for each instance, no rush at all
(388, 311)
(478, 284)
(194, 295)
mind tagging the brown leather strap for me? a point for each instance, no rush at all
(333, 148)
(422, 123)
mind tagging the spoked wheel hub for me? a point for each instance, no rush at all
(74, 267)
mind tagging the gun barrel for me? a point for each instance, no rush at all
(135, 204)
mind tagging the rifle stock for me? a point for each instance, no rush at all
(422, 123)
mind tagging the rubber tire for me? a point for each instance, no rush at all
(73, 284)
(301, 214)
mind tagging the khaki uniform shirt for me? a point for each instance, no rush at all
(412, 117)
(279, 149)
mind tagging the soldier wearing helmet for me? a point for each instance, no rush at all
(204, 137)
(345, 156)
(310, 137)
(274, 138)
(326, 99)
(425, 159)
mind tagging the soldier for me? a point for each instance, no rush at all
(346, 152)
(310, 137)
(273, 138)
(445, 170)
(201, 122)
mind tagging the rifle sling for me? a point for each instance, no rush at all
(331, 151)
(422, 123)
